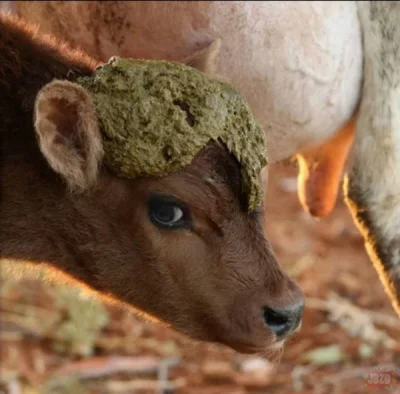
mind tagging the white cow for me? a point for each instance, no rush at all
(300, 65)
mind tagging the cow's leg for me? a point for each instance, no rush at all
(320, 172)
(372, 185)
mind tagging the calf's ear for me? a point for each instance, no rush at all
(206, 59)
(68, 133)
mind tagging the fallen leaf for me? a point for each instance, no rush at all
(325, 355)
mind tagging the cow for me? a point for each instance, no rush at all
(306, 72)
(181, 248)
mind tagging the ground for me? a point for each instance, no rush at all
(349, 336)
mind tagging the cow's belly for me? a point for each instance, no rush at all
(298, 63)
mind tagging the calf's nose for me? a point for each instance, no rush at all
(283, 321)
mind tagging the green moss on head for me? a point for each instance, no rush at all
(158, 115)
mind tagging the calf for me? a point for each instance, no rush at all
(181, 248)
(300, 65)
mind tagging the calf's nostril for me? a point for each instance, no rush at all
(276, 321)
(283, 321)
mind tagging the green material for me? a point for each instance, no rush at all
(158, 115)
(325, 355)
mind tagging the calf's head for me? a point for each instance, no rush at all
(182, 248)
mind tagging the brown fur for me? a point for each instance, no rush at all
(210, 281)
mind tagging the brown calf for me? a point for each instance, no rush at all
(181, 249)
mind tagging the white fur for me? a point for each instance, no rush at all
(376, 151)
(373, 183)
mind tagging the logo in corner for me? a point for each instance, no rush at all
(380, 378)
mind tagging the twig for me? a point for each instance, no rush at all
(163, 375)
(357, 321)
(377, 317)
(105, 366)
(22, 323)
(130, 386)
(14, 387)
(17, 307)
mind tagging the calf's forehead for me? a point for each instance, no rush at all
(213, 179)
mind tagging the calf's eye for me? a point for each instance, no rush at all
(168, 212)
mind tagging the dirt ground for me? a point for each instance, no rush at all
(349, 331)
